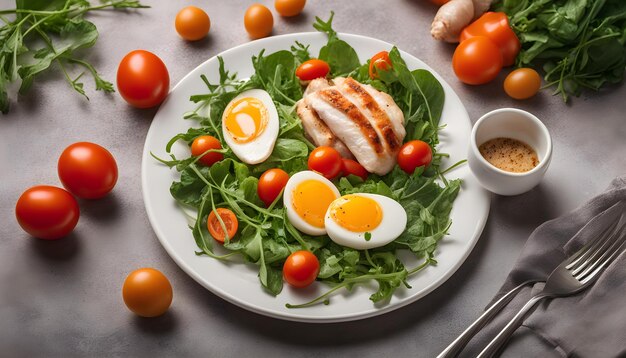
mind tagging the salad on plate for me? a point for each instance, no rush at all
(318, 168)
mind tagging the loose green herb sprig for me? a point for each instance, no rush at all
(266, 237)
(44, 32)
(579, 43)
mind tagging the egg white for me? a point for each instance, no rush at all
(292, 215)
(391, 226)
(260, 148)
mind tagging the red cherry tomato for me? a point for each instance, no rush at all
(301, 269)
(379, 62)
(142, 79)
(349, 166)
(414, 154)
(439, 2)
(326, 161)
(495, 26)
(204, 143)
(47, 212)
(87, 170)
(312, 69)
(230, 222)
(147, 292)
(477, 60)
(271, 183)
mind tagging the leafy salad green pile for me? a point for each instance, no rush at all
(580, 43)
(265, 236)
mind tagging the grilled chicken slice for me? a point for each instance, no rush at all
(368, 121)
(317, 131)
(381, 110)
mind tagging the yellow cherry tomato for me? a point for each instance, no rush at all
(522, 83)
(289, 7)
(258, 21)
(192, 23)
(147, 292)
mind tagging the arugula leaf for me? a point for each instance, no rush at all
(339, 55)
(63, 29)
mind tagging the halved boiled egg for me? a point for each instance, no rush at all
(250, 126)
(307, 197)
(364, 221)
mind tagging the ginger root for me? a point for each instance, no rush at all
(454, 16)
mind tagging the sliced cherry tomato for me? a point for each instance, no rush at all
(192, 23)
(289, 8)
(349, 166)
(477, 60)
(47, 212)
(142, 79)
(87, 170)
(147, 292)
(312, 69)
(230, 222)
(258, 21)
(203, 143)
(379, 62)
(522, 83)
(271, 183)
(413, 154)
(301, 268)
(495, 26)
(326, 161)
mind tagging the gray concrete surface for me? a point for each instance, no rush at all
(64, 298)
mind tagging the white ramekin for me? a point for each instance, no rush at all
(509, 123)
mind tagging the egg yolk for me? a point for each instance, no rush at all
(246, 119)
(311, 200)
(356, 213)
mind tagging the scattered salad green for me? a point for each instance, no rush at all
(47, 32)
(579, 43)
(266, 237)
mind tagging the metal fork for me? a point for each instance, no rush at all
(570, 277)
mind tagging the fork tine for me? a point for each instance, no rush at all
(591, 246)
(610, 259)
(594, 257)
(608, 256)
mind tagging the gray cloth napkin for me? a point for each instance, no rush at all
(589, 324)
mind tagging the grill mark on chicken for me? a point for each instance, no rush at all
(339, 102)
(317, 131)
(381, 120)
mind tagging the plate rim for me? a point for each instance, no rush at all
(189, 270)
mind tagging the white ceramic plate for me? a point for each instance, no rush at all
(238, 283)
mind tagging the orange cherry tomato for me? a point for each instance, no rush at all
(413, 154)
(289, 7)
(301, 268)
(258, 21)
(142, 79)
(326, 161)
(192, 23)
(230, 222)
(87, 170)
(439, 2)
(522, 83)
(47, 212)
(477, 60)
(312, 69)
(271, 183)
(379, 62)
(495, 26)
(147, 292)
(349, 166)
(203, 143)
